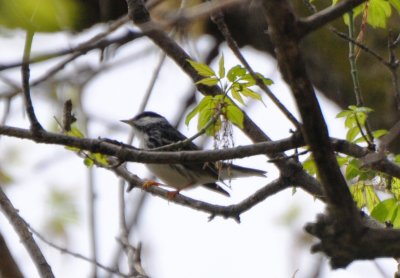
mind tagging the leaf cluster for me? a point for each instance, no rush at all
(236, 82)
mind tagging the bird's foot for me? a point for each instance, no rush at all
(172, 194)
(150, 183)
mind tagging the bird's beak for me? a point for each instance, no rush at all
(126, 121)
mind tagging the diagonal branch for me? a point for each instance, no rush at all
(316, 21)
(25, 235)
(283, 32)
(232, 211)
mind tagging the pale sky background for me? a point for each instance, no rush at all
(177, 241)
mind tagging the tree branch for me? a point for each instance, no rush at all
(35, 125)
(25, 235)
(316, 21)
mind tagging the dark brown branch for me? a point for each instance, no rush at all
(8, 266)
(128, 153)
(342, 249)
(283, 32)
(316, 21)
(232, 211)
(135, 155)
(25, 236)
(25, 71)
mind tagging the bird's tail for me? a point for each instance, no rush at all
(234, 171)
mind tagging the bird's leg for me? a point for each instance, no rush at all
(172, 194)
(150, 183)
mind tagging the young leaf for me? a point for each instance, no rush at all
(379, 133)
(75, 132)
(221, 67)
(208, 81)
(371, 199)
(343, 114)
(202, 69)
(88, 162)
(356, 191)
(309, 166)
(350, 121)
(386, 210)
(236, 95)
(352, 133)
(352, 170)
(378, 13)
(266, 81)
(203, 103)
(235, 72)
(395, 188)
(251, 94)
(235, 115)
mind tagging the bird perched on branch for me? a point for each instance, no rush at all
(154, 131)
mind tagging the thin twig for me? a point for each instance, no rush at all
(76, 255)
(369, 138)
(393, 66)
(25, 236)
(219, 20)
(25, 71)
(92, 43)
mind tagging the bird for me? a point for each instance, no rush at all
(154, 131)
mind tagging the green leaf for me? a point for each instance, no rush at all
(352, 169)
(395, 4)
(250, 80)
(41, 15)
(386, 210)
(350, 121)
(251, 94)
(356, 191)
(235, 72)
(395, 188)
(361, 117)
(236, 95)
(203, 104)
(202, 69)
(208, 81)
(205, 116)
(266, 81)
(221, 67)
(100, 159)
(342, 160)
(88, 162)
(235, 115)
(75, 132)
(371, 199)
(352, 133)
(344, 113)
(309, 166)
(378, 13)
(379, 133)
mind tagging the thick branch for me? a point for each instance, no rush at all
(283, 30)
(342, 249)
(128, 153)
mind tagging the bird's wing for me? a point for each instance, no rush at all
(174, 135)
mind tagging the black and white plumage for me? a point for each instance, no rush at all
(155, 131)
